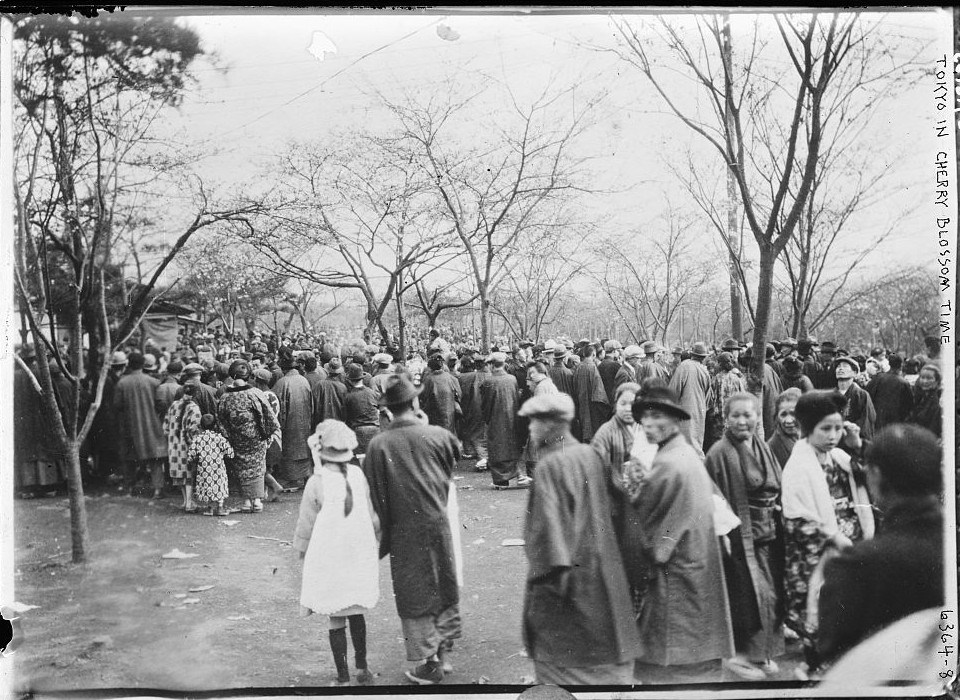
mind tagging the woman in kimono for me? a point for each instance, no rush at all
(747, 474)
(787, 432)
(927, 411)
(181, 425)
(825, 505)
(248, 422)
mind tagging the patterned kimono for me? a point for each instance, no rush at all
(249, 424)
(181, 425)
(207, 452)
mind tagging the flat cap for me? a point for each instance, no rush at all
(193, 368)
(633, 351)
(558, 406)
(382, 358)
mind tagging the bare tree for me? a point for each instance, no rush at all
(87, 95)
(541, 276)
(648, 277)
(507, 186)
(768, 126)
(352, 218)
(434, 300)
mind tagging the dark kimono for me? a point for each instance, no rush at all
(409, 467)
(470, 427)
(685, 618)
(608, 369)
(296, 411)
(327, 400)
(577, 609)
(781, 445)
(439, 398)
(590, 398)
(749, 477)
(500, 401)
(860, 410)
(562, 377)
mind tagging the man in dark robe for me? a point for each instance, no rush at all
(169, 386)
(470, 427)
(593, 407)
(629, 370)
(409, 467)
(500, 399)
(440, 394)
(827, 377)
(143, 445)
(296, 411)
(609, 366)
(311, 370)
(649, 367)
(691, 382)
(561, 375)
(892, 395)
(684, 622)
(103, 434)
(361, 410)
(578, 622)
(772, 387)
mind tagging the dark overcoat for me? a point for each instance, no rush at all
(500, 400)
(685, 616)
(577, 609)
(141, 432)
(409, 467)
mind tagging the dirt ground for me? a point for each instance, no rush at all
(129, 620)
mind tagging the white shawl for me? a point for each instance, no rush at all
(806, 494)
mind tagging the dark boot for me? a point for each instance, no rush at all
(358, 633)
(338, 644)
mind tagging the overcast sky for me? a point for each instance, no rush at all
(276, 88)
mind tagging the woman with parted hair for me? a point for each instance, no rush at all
(748, 475)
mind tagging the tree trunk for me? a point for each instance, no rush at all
(764, 300)
(401, 327)
(484, 323)
(79, 536)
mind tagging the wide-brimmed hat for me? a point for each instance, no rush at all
(354, 372)
(559, 406)
(660, 398)
(335, 366)
(549, 345)
(118, 358)
(730, 344)
(828, 348)
(337, 441)
(560, 351)
(498, 357)
(398, 390)
(650, 347)
(700, 350)
(149, 362)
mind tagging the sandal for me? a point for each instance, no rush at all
(210, 512)
(257, 508)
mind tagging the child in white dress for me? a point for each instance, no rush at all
(337, 536)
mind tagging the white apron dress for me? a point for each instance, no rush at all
(341, 570)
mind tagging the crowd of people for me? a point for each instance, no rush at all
(822, 486)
